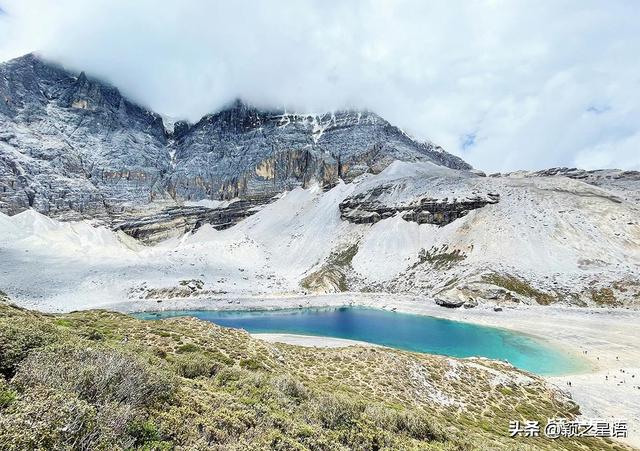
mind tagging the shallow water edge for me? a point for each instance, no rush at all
(408, 332)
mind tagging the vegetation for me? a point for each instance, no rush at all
(332, 276)
(102, 380)
(439, 258)
(604, 297)
(520, 287)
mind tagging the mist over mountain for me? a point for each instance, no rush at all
(337, 191)
(506, 86)
(72, 147)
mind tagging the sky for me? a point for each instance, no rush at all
(506, 85)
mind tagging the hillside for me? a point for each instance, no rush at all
(102, 380)
(256, 203)
(506, 240)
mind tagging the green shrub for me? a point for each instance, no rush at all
(519, 286)
(336, 411)
(7, 395)
(189, 347)
(63, 322)
(364, 436)
(45, 419)
(162, 333)
(84, 398)
(50, 419)
(277, 441)
(97, 375)
(228, 376)
(146, 436)
(414, 423)
(290, 387)
(251, 364)
(18, 338)
(195, 365)
(419, 425)
(94, 335)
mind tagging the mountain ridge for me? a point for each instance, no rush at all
(72, 147)
(257, 203)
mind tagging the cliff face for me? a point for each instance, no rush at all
(73, 147)
(242, 152)
(368, 208)
(175, 221)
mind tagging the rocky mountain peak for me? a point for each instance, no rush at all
(89, 96)
(237, 117)
(73, 146)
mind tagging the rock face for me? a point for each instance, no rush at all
(243, 151)
(175, 221)
(594, 177)
(367, 208)
(73, 147)
(624, 184)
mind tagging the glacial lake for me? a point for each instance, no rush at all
(408, 332)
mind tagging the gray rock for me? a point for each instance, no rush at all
(450, 302)
(470, 303)
(74, 147)
(176, 221)
(367, 208)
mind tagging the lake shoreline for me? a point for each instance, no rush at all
(396, 330)
(610, 338)
(311, 341)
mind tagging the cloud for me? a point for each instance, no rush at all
(506, 85)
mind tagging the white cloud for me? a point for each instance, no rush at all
(611, 154)
(504, 84)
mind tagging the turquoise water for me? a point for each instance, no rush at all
(398, 330)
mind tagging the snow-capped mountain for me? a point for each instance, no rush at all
(249, 202)
(73, 147)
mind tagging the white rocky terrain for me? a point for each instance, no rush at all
(533, 238)
(101, 201)
(102, 205)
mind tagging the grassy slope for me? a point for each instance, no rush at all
(103, 380)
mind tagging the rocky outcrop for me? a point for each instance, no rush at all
(176, 221)
(242, 151)
(190, 288)
(332, 275)
(450, 303)
(364, 208)
(592, 176)
(624, 184)
(74, 147)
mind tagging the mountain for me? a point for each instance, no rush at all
(258, 203)
(73, 147)
(523, 239)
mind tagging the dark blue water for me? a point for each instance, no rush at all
(397, 330)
